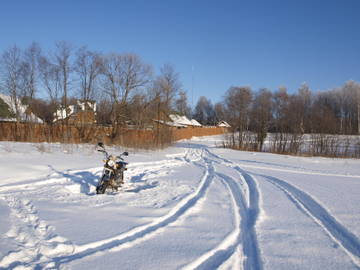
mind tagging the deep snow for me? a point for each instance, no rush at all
(190, 206)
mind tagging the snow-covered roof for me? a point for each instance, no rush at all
(181, 120)
(7, 119)
(223, 124)
(195, 123)
(169, 123)
(23, 114)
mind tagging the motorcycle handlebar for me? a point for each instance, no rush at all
(100, 144)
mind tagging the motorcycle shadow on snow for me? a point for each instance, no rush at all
(141, 183)
(87, 182)
(84, 179)
(137, 189)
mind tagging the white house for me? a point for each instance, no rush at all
(80, 106)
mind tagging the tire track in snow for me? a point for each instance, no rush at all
(337, 232)
(298, 171)
(130, 238)
(222, 252)
(284, 169)
(59, 177)
(244, 234)
(251, 249)
(71, 176)
(33, 184)
(40, 248)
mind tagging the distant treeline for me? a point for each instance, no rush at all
(124, 87)
(129, 95)
(253, 115)
(128, 91)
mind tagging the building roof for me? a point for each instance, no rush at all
(170, 123)
(176, 120)
(223, 124)
(24, 113)
(181, 120)
(195, 123)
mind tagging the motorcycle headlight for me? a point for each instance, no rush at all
(111, 163)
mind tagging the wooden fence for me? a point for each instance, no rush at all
(25, 132)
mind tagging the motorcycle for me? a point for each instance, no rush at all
(113, 171)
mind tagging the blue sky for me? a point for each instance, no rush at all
(212, 44)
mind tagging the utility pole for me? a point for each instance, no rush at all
(192, 86)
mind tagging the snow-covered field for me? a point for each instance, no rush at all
(190, 206)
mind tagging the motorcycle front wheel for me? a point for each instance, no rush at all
(101, 187)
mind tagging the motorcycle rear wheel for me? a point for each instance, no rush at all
(102, 186)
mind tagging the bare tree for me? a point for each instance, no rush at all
(50, 78)
(261, 115)
(220, 113)
(56, 71)
(168, 84)
(43, 109)
(30, 70)
(103, 112)
(351, 91)
(64, 67)
(304, 99)
(237, 103)
(123, 75)
(139, 111)
(181, 104)
(281, 123)
(204, 111)
(324, 124)
(88, 66)
(12, 80)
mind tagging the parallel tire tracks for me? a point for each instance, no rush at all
(58, 177)
(241, 242)
(130, 238)
(337, 232)
(124, 240)
(313, 209)
(244, 234)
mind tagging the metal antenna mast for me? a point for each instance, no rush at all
(192, 86)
